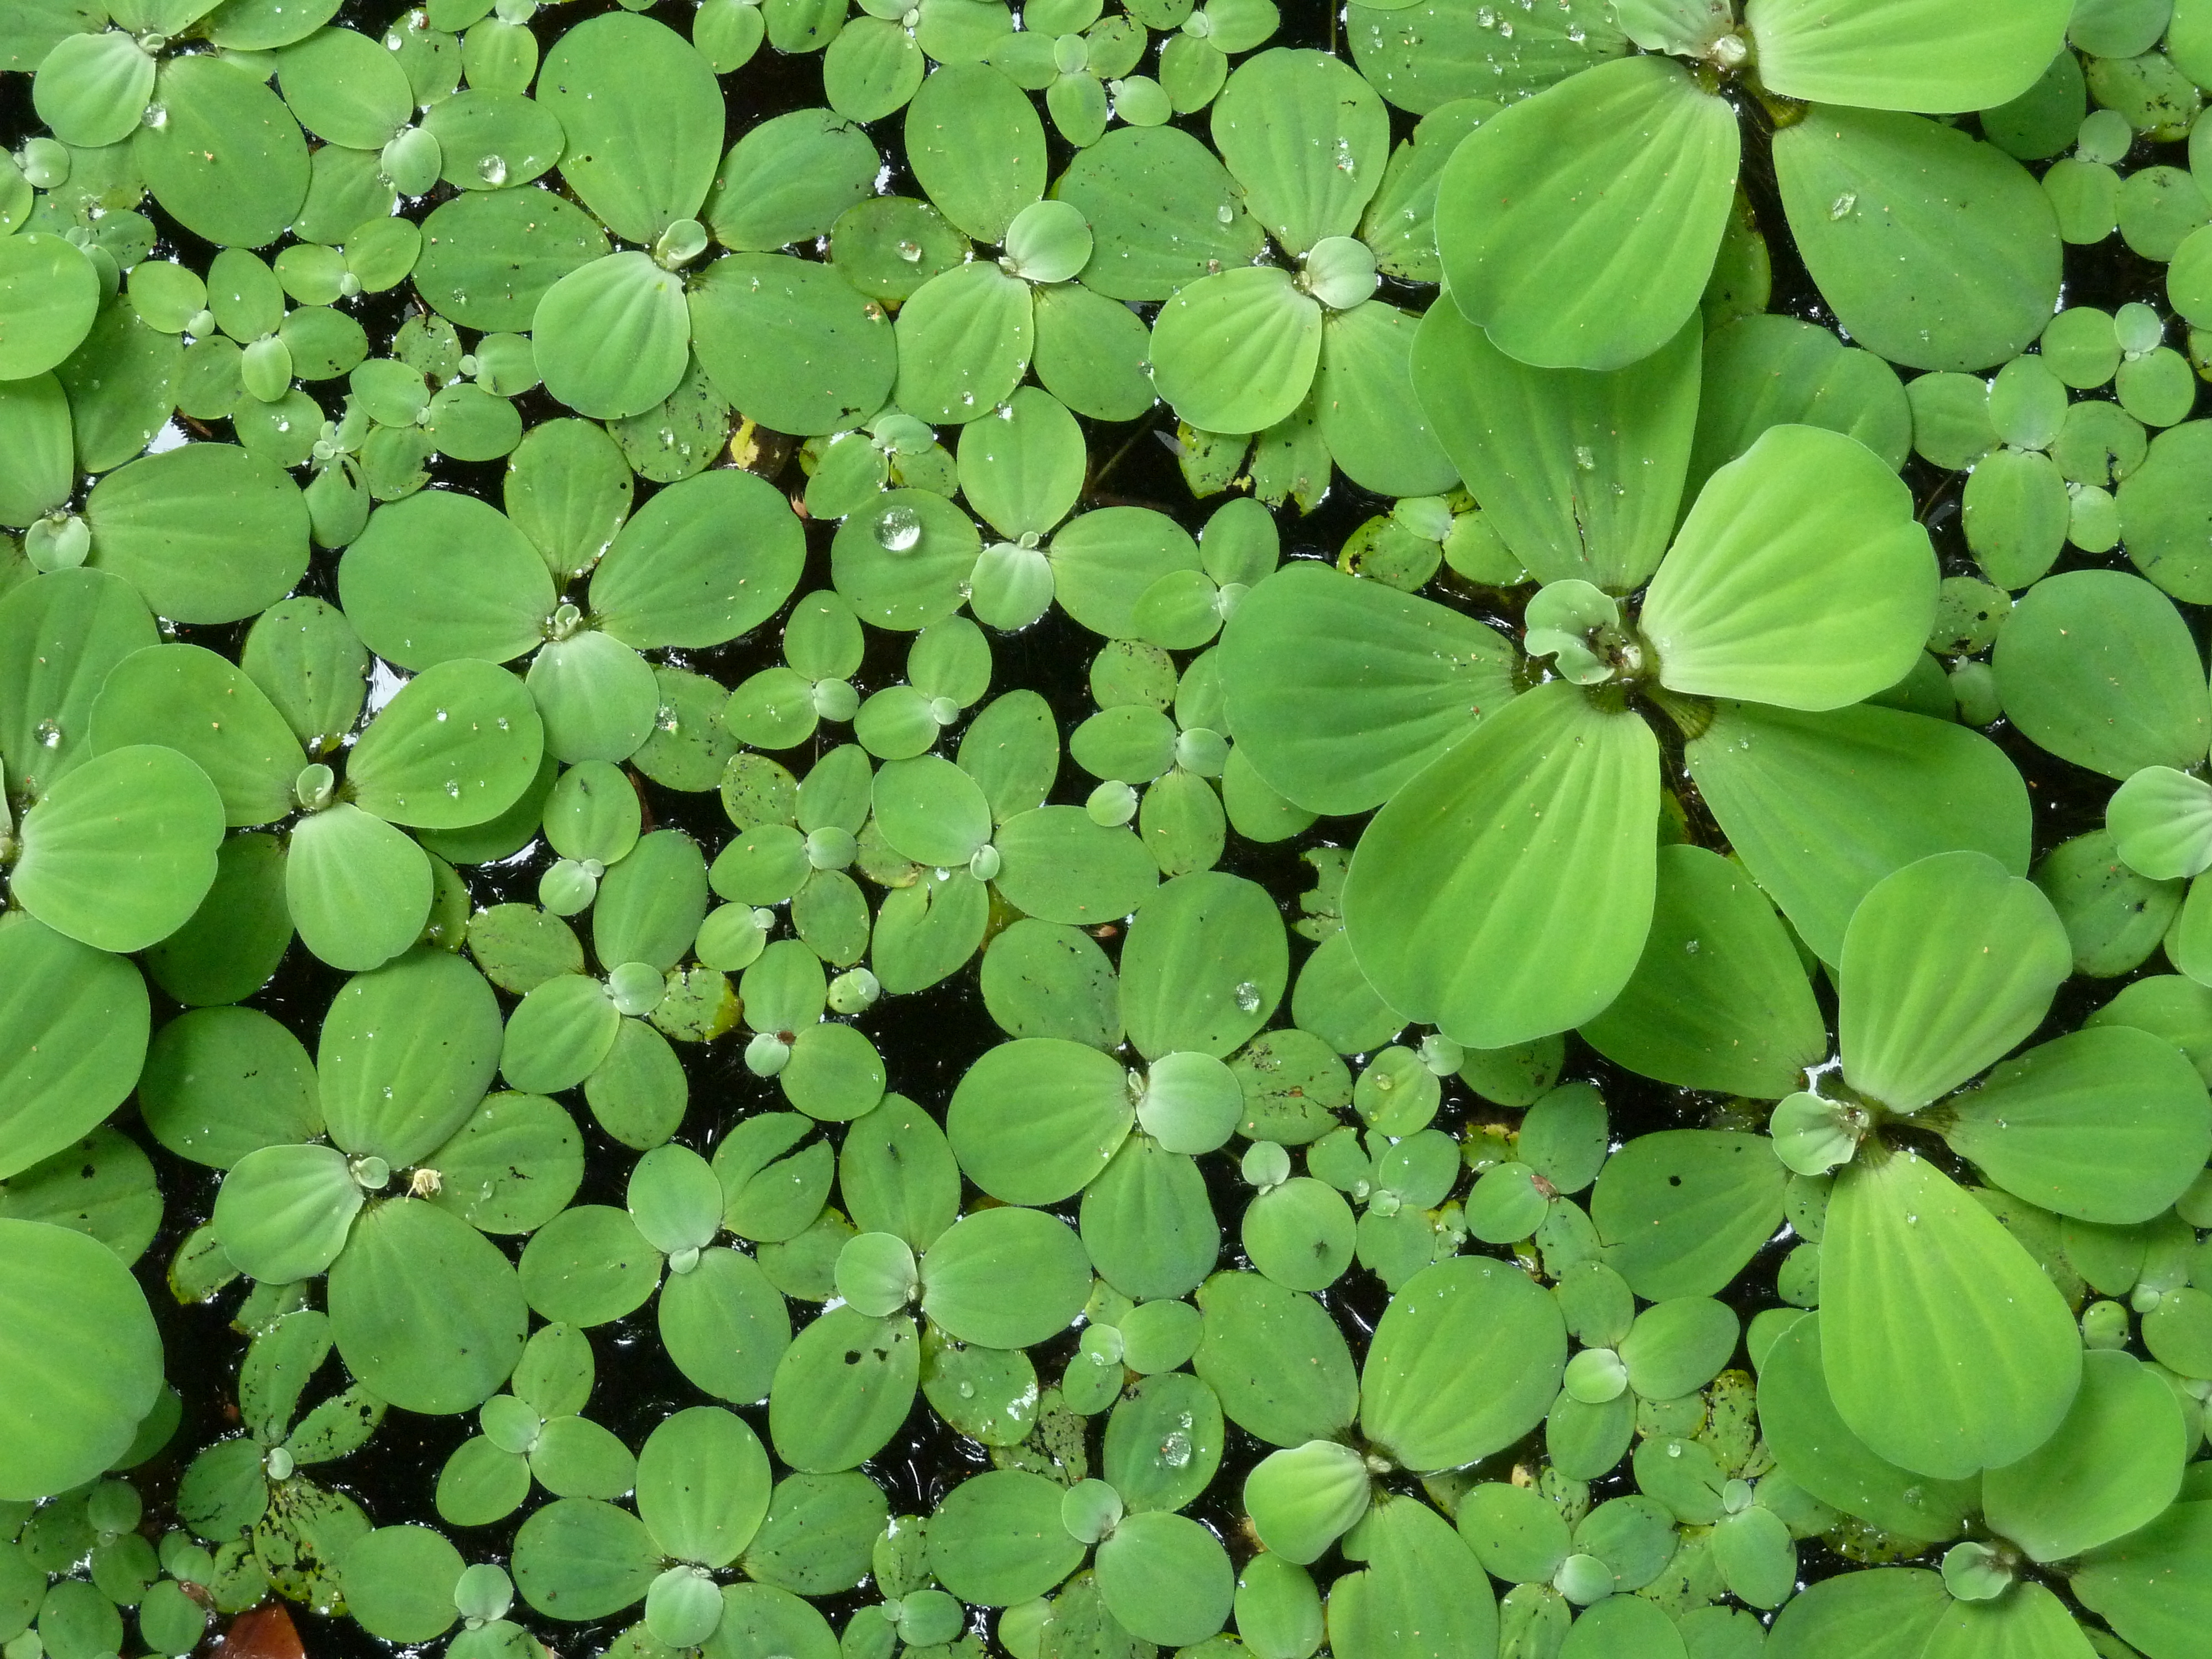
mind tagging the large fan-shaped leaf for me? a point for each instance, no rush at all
(457, 746)
(1374, 428)
(406, 1054)
(1579, 226)
(790, 343)
(1887, 1613)
(2098, 667)
(227, 159)
(1505, 892)
(121, 851)
(2110, 1125)
(1946, 965)
(976, 144)
(1466, 1360)
(1307, 138)
(73, 1023)
(1800, 578)
(1339, 689)
(2154, 1586)
(1947, 1350)
(439, 575)
(208, 533)
(188, 699)
(1236, 351)
(1816, 1449)
(1580, 473)
(1718, 999)
(80, 1359)
(1820, 807)
(1941, 56)
(358, 891)
(2113, 1466)
(1936, 250)
(644, 121)
(427, 1312)
(612, 338)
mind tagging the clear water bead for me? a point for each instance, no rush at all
(492, 169)
(899, 529)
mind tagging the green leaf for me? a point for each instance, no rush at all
(2029, 1619)
(1165, 1578)
(1375, 430)
(612, 338)
(91, 89)
(399, 1582)
(1004, 1278)
(1034, 1120)
(1307, 138)
(1822, 807)
(1948, 963)
(489, 256)
(702, 561)
(1816, 1449)
(1023, 472)
(997, 1538)
(60, 636)
(827, 1411)
(283, 1213)
(1885, 1613)
(1278, 1362)
(702, 1486)
(1203, 966)
(1941, 56)
(2161, 822)
(440, 575)
(406, 1052)
(644, 121)
(1766, 370)
(40, 473)
(73, 1023)
(1935, 250)
(208, 533)
(1679, 1212)
(791, 343)
(1465, 1361)
(119, 853)
(1418, 1595)
(1163, 211)
(50, 293)
(1339, 691)
(188, 699)
(1534, 828)
(1800, 578)
(1578, 227)
(426, 1311)
(1719, 999)
(1236, 351)
(457, 746)
(358, 889)
(2108, 1125)
(976, 144)
(788, 178)
(2098, 667)
(581, 1558)
(228, 161)
(2113, 1466)
(80, 1359)
(2149, 1586)
(1924, 1297)
(1579, 473)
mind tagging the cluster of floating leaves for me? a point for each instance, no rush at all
(1640, 731)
